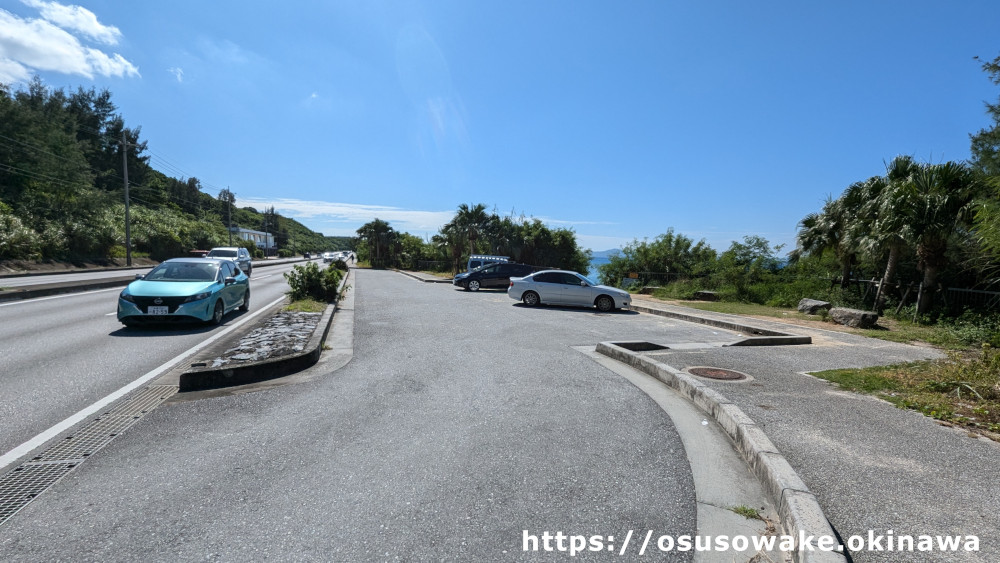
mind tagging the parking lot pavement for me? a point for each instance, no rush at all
(874, 467)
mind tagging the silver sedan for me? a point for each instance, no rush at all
(559, 287)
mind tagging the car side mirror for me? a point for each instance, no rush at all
(230, 280)
(583, 284)
(140, 276)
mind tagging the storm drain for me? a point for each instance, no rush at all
(24, 483)
(636, 346)
(717, 373)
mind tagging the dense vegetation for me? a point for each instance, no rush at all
(62, 181)
(472, 231)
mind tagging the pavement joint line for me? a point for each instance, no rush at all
(798, 509)
(60, 427)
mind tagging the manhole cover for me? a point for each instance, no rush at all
(717, 373)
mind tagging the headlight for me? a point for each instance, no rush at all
(198, 297)
(126, 297)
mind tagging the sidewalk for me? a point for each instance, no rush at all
(873, 467)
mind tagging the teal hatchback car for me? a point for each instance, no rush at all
(185, 290)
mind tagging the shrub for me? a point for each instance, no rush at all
(309, 282)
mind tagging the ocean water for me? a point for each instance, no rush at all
(595, 262)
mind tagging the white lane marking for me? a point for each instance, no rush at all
(111, 313)
(261, 277)
(25, 448)
(37, 299)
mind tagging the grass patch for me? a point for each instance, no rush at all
(306, 306)
(963, 389)
(747, 512)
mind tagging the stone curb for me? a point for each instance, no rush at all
(798, 509)
(201, 379)
(759, 336)
(44, 290)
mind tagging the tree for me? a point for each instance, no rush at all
(471, 221)
(986, 143)
(937, 201)
(380, 241)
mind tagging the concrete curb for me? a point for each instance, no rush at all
(45, 290)
(759, 336)
(201, 379)
(421, 278)
(798, 509)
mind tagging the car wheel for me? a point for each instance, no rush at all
(530, 299)
(605, 304)
(246, 302)
(218, 313)
(473, 285)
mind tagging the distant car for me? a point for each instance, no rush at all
(329, 257)
(237, 254)
(307, 255)
(492, 275)
(559, 287)
(480, 260)
(185, 289)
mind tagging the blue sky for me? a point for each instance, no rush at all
(619, 120)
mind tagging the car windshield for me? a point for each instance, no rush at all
(183, 272)
(223, 253)
(589, 281)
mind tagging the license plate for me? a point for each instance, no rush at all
(163, 310)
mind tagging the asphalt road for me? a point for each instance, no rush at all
(62, 353)
(463, 420)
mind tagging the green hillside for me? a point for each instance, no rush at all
(62, 183)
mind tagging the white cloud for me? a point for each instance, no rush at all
(407, 220)
(12, 72)
(177, 72)
(76, 18)
(31, 45)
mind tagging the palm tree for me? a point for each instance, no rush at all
(472, 221)
(828, 230)
(937, 201)
(888, 229)
(380, 239)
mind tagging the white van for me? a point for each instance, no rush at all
(479, 260)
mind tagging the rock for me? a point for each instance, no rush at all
(812, 306)
(853, 317)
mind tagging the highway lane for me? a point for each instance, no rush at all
(59, 354)
(463, 420)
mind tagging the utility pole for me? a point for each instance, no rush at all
(229, 200)
(128, 227)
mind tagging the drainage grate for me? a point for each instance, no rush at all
(24, 483)
(636, 346)
(717, 373)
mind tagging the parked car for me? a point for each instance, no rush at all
(185, 289)
(559, 287)
(492, 275)
(480, 260)
(237, 254)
